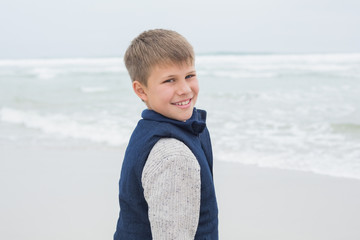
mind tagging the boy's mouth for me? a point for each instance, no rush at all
(183, 103)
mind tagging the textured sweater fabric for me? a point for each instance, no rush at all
(133, 222)
(172, 185)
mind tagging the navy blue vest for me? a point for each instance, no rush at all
(133, 223)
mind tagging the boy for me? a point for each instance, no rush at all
(166, 185)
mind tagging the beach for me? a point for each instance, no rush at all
(71, 193)
(263, 203)
(285, 131)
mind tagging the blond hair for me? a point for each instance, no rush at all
(156, 47)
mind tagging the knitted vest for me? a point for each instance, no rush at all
(133, 223)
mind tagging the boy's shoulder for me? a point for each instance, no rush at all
(171, 147)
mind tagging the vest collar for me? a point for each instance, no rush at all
(196, 124)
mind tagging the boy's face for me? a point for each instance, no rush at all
(171, 90)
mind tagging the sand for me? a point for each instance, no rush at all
(71, 193)
(261, 203)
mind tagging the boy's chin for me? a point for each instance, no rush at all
(184, 117)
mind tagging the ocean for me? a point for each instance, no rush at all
(287, 111)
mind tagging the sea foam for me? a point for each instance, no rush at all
(66, 126)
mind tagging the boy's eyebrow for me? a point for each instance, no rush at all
(169, 76)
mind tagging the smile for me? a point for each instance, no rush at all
(186, 102)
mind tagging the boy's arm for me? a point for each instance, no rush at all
(172, 186)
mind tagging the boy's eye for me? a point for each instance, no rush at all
(169, 80)
(189, 76)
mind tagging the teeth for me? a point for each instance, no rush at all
(182, 103)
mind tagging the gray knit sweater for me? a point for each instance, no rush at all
(172, 186)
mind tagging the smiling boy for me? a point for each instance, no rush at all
(166, 188)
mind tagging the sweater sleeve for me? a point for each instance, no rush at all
(172, 185)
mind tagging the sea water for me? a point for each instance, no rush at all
(271, 110)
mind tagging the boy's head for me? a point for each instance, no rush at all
(161, 66)
(153, 48)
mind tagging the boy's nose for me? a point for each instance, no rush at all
(183, 88)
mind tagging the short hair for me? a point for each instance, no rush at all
(156, 47)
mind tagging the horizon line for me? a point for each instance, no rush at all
(217, 53)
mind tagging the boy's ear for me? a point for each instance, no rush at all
(139, 89)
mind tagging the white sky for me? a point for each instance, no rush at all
(86, 28)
